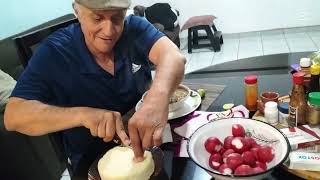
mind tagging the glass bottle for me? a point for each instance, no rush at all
(251, 92)
(313, 114)
(305, 64)
(314, 82)
(297, 104)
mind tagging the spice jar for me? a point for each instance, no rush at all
(283, 108)
(314, 82)
(251, 92)
(313, 115)
(271, 112)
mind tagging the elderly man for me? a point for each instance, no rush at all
(82, 78)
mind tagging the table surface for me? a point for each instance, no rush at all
(275, 79)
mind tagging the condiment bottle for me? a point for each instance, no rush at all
(305, 64)
(271, 112)
(297, 104)
(251, 92)
(314, 82)
(313, 115)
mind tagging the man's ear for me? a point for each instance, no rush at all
(75, 9)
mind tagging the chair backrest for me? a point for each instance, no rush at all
(25, 45)
(26, 42)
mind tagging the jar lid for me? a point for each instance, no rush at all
(305, 62)
(314, 98)
(271, 105)
(298, 78)
(284, 107)
(250, 79)
(315, 69)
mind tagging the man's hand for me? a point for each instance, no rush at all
(105, 124)
(147, 124)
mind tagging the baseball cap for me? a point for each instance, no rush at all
(105, 4)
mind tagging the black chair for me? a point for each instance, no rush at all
(25, 45)
(26, 42)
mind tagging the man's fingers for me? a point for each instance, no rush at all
(135, 143)
(147, 140)
(110, 130)
(157, 136)
(102, 129)
(121, 132)
(94, 129)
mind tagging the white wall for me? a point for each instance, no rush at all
(19, 15)
(248, 15)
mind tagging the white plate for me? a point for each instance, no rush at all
(190, 105)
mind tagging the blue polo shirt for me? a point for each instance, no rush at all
(63, 72)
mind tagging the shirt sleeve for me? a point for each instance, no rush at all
(33, 84)
(144, 33)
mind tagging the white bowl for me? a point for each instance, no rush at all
(176, 105)
(223, 128)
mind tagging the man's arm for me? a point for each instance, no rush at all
(35, 118)
(147, 124)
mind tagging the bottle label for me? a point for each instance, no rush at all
(293, 116)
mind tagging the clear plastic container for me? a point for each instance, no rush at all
(271, 112)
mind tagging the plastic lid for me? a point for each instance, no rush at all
(314, 98)
(305, 62)
(315, 69)
(250, 79)
(271, 105)
(284, 107)
(298, 78)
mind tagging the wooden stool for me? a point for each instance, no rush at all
(215, 39)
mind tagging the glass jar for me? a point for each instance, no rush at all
(313, 115)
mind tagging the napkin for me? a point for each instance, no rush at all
(198, 118)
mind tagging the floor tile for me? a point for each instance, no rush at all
(65, 173)
(274, 43)
(199, 61)
(315, 37)
(299, 42)
(250, 45)
(229, 52)
(65, 178)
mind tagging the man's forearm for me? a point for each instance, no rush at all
(35, 118)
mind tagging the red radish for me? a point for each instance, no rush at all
(213, 145)
(215, 161)
(222, 150)
(239, 145)
(225, 169)
(238, 130)
(255, 150)
(227, 142)
(261, 165)
(256, 146)
(243, 170)
(225, 154)
(248, 158)
(234, 160)
(251, 142)
(257, 170)
(265, 154)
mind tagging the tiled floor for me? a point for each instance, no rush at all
(244, 45)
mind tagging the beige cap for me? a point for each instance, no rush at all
(105, 4)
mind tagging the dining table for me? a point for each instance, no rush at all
(274, 74)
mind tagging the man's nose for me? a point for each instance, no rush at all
(107, 28)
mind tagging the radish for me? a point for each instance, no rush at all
(234, 160)
(265, 154)
(215, 161)
(227, 142)
(243, 170)
(213, 145)
(222, 151)
(251, 142)
(255, 150)
(225, 154)
(225, 169)
(261, 165)
(248, 158)
(238, 130)
(257, 170)
(239, 145)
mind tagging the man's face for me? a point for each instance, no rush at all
(101, 29)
